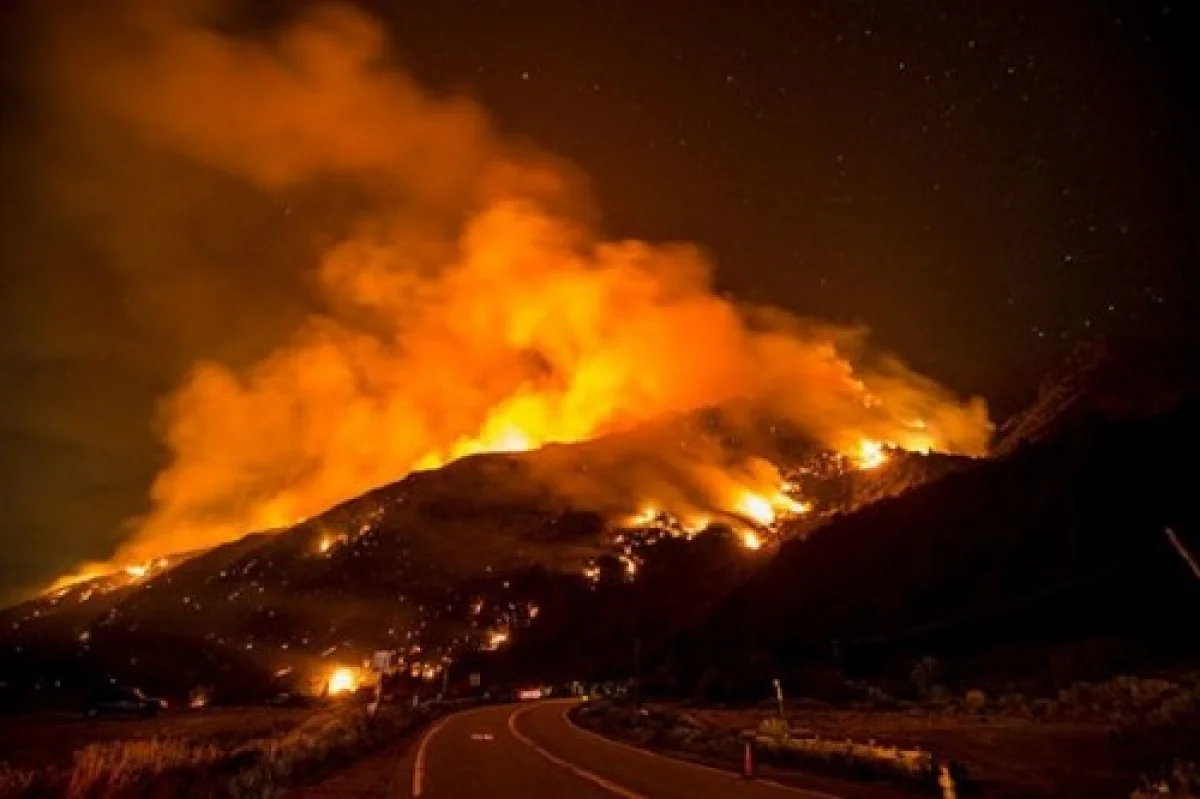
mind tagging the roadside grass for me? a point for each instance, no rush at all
(179, 767)
(1088, 740)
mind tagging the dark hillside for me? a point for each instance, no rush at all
(1051, 563)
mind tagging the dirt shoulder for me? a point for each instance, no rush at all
(1005, 757)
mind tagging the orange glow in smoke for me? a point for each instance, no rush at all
(472, 308)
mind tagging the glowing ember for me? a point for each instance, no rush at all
(871, 454)
(342, 679)
(751, 539)
(137, 572)
(328, 541)
(495, 639)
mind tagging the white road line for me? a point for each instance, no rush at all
(419, 764)
(418, 781)
(723, 772)
(607, 785)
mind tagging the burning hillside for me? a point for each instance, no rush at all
(470, 305)
(439, 566)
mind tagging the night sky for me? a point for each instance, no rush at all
(982, 184)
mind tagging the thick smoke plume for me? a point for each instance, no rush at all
(468, 303)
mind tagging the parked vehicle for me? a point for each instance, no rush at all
(124, 701)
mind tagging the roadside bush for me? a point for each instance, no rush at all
(176, 767)
(120, 768)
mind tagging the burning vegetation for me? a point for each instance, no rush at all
(471, 306)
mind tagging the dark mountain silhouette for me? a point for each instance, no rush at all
(1050, 563)
(1104, 379)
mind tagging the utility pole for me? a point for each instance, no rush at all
(779, 698)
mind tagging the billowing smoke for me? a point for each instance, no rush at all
(467, 304)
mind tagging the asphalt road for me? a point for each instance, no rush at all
(533, 750)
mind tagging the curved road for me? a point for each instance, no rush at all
(534, 750)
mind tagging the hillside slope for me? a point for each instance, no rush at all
(437, 565)
(1050, 563)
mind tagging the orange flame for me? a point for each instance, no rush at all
(871, 454)
(473, 309)
(342, 680)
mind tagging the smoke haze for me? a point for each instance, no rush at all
(333, 277)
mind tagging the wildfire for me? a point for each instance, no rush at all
(751, 540)
(765, 510)
(512, 440)
(138, 571)
(480, 313)
(757, 508)
(341, 680)
(871, 454)
(789, 506)
(645, 516)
